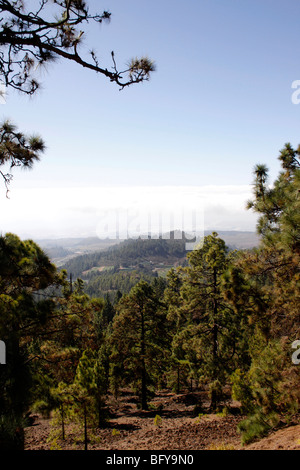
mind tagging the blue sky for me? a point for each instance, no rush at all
(219, 102)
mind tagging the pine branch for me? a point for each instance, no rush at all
(30, 40)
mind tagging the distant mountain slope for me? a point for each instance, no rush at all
(120, 266)
(132, 253)
(238, 240)
(139, 253)
(62, 249)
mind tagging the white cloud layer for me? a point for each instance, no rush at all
(82, 212)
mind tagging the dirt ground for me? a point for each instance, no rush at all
(178, 427)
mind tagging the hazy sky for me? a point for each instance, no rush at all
(219, 102)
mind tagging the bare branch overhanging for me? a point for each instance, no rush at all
(30, 39)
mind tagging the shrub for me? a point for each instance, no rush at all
(257, 426)
(157, 421)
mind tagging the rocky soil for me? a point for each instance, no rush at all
(178, 427)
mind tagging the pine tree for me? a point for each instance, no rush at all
(182, 361)
(211, 331)
(88, 390)
(62, 403)
(17, 150)
(278, 205)
(25, 272)
(269, 292)
(138, 339)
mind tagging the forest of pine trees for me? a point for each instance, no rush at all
(226, 319)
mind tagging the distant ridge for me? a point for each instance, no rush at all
(236, 239)
(61, 250)
(120, 266)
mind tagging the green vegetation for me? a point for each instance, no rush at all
(121, 267)
(157, 421)
(142, 314)
(145, 253)
(221, 320)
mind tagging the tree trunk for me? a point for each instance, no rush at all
(62, 412)
(178, 378)
(214, 397)
(85, 429)
(144, 385)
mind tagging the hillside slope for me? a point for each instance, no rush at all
(283, 439)
(121, 266)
